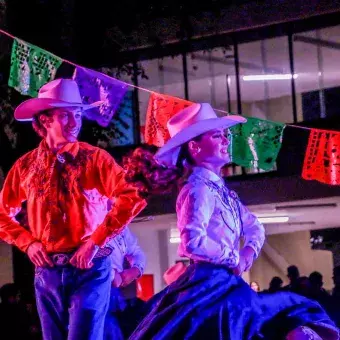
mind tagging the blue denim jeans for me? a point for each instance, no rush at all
(117, 304)
(72, 303)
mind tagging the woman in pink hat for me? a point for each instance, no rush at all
(210, 300)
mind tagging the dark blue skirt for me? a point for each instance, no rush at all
(209, 302)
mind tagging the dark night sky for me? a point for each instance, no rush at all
(89, 33)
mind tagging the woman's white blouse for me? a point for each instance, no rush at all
(212, 220)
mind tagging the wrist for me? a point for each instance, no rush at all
(248, 252)
(92, 244)
(134, 273)
(31, 244)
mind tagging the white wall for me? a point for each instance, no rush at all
(294, 247)
(173, 256)
(149, 242)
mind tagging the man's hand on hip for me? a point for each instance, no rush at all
(247, 255)
(38, 255)
(83, 257)
(117, 280)
(129, 275)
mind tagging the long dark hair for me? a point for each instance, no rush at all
(154, 178)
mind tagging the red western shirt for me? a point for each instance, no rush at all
(66, 196)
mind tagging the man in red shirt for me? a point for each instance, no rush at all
(66, 185)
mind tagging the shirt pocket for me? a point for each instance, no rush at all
(227, 218)
(38, 274)
(34, 183)
(230, 217)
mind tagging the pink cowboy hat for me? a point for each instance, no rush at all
(174, 272)
(190, 123)
(57, 93)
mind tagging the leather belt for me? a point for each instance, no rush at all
(62, 259)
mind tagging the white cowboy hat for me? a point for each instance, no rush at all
(190, 123)
(57, 93)
(174, 272)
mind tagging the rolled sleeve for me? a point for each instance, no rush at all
(254, 232)
(134, 254)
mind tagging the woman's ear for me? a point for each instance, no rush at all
(194, 148)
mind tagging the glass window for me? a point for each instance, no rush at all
(316, 60)
(211, 78)
(265, 79)
(328, 43)
(160, 75)
(307, 83)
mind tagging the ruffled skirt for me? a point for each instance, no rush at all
(209, 302)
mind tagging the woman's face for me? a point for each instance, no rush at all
(211, 148)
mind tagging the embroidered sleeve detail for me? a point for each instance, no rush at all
(253, 230)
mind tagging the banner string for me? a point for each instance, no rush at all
(142, 88)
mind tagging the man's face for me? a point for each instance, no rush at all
(65, 125)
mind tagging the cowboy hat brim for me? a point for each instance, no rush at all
(26, 110)
(168, 153)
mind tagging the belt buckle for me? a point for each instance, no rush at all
(60, 259)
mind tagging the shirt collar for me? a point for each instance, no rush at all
(69, 148)
(207, 174)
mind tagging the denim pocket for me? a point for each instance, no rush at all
(38, 271)
(102, 262)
